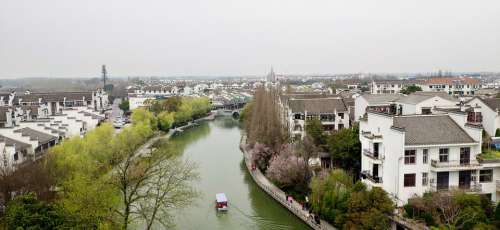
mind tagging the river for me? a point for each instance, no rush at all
(214, 147)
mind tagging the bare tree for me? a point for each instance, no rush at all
(152, 184)
(169, 188)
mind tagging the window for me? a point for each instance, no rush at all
(426, 111)
(409, 180)
(16, 156)
(443, 155)
(425, 156)
(341, 115)
(465, 155)
(341, 126)
(486, 175)
(410, 156)
(424, 179)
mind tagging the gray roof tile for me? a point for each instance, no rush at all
(429, 130)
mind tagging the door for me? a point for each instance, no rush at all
(375, 172)
(442, 180)
(464, 178)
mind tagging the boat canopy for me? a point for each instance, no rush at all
(220, 197)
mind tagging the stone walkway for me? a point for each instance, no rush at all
(280, 196)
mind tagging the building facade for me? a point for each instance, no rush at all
(410, 155)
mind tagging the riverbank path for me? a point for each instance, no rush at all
(280, 196)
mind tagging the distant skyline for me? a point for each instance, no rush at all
(60, 38)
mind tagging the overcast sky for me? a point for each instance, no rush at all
(72, 38)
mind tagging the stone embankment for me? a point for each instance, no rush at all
(279, 195)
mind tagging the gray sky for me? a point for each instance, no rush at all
(72, 38)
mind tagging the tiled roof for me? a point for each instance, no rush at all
(452, 80)
(317, 106)
(417, 98)
(493, 103)
(12, 142)
(36, 135)
(381, 98)
(430, 130)
(56, 96)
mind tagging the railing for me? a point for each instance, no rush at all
(369, 135)
(280, 196)
(472, 187)
(368, 175)
(372, 154)
(455, 164)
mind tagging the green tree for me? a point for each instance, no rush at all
(246, 113)
(27, 212)
(345, 149)
(166, 120)
(125, 106)
(411, 89)
(497, 133)
(369, 210)
(144, 116)
(314, 129)
(330, 195)
(172, 104)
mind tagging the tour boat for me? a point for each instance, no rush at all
(221, 202)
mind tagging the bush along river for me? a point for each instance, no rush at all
(214, 146)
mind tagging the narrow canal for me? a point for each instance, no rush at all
(214, 147)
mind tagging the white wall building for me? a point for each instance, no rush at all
(409, 155)
(387, 86)
(464, 86)
(331, 110)
(486, 112)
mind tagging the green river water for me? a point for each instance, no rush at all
(214, 146)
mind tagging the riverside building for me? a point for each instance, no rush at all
(31, 123)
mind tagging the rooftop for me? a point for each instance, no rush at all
(431, 130)
(42, 137)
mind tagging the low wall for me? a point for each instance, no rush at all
(279, 195)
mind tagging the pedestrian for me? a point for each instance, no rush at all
(316, 218)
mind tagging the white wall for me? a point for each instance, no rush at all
(491, 120)
(360, 105)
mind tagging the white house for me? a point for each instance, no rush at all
(485, 111)
(331, 110)
(388, 86)
(409, 155)
(382, 102)
(452, 85)
(424, 103)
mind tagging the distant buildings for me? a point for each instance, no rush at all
(388, 86)
(30, 123)
(463, 86)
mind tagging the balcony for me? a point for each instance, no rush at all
(377, 157)
(369, 135)
(368, 176)
(456, 165)
(473, 187)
